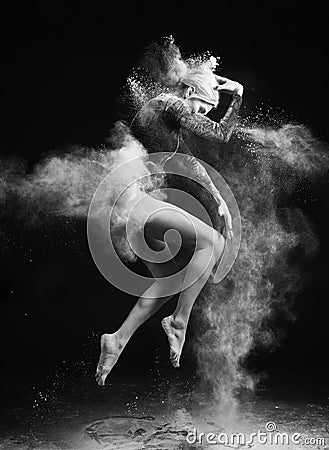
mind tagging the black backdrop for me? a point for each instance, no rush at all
(64, 64)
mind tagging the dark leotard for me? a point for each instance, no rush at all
(166, 124)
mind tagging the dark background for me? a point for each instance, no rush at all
(64, 65)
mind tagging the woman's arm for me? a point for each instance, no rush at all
(190, 167)
(201, 125)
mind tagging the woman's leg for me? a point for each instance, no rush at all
(147, 305)
(208, 245)
(175, 325)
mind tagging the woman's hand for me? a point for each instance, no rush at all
(228, 86)
(224, 212)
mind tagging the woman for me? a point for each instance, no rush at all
(165, 124)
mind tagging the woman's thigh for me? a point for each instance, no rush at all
(164, 269)
(193, 232)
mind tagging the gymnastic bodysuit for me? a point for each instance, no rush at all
(166, 124)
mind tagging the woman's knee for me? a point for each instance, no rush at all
(216, 246)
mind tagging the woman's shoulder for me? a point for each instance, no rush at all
(165, 107)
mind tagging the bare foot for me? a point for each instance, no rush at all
(110, 352)
(175, 331)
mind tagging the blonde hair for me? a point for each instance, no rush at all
(205, 84)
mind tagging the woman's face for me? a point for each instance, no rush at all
(198, 106)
